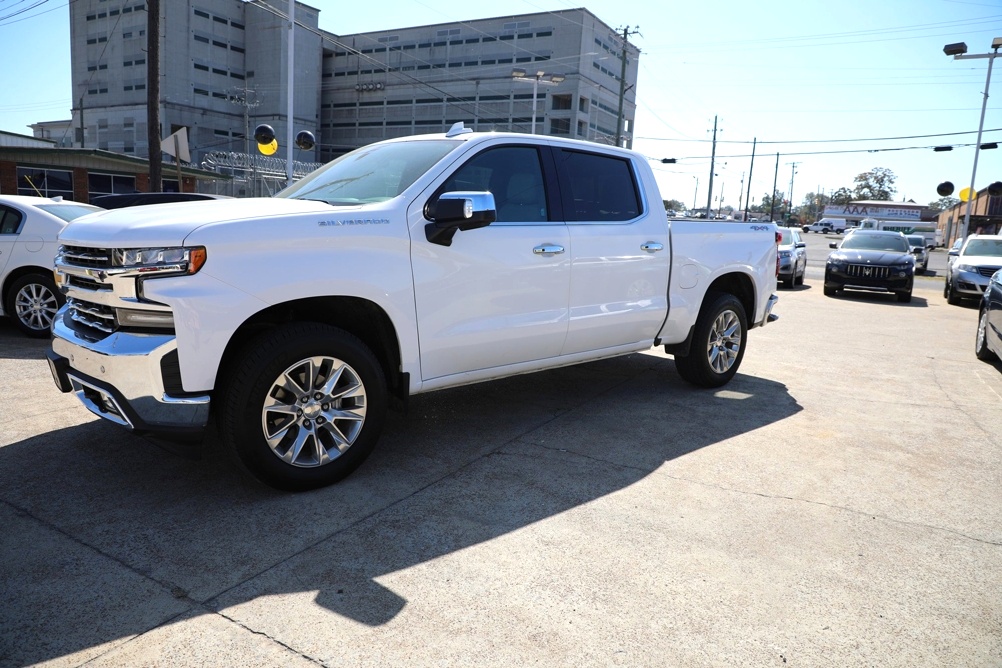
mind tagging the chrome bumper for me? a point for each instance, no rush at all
(769, 316)
(120, 378)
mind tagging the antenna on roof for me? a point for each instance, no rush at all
(458, 129)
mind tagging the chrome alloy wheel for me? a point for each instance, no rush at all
(980, 344)
(725, 341)
(314, 411)
(35, 306)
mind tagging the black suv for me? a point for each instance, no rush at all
(871, 260)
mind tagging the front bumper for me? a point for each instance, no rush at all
(892, 283)
(969, 283)
(122, 378)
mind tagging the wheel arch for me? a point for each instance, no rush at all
(738, 284)
(18, 273)
(360, 317)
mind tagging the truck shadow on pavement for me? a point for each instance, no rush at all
(109, 537)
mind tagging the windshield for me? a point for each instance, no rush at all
(992, 247)
(787, 236)
(917, 241)
(68, 211)
(370, 174)
(884, 242)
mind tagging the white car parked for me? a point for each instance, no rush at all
(28, 230)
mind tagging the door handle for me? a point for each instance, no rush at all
(548, 249)
(652, 246)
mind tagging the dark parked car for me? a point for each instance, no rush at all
(871, 260)
(988, 344)
(140, 199)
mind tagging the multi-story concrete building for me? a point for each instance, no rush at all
(224, 65)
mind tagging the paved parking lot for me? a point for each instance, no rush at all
(837, 504)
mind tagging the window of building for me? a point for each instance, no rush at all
(560, 126)
(561, 102)
(109, 184)
(45, 182)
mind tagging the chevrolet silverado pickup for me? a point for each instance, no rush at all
(405, 266)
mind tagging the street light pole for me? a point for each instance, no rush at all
(959, 51)
(695, 194)
(539, 78)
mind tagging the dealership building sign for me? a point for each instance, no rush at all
(879, 211)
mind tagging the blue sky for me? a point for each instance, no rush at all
(804, 74)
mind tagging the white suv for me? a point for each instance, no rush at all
(827, 225)
(28, 229)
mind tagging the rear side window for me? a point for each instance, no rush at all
(597, 187)
(10, 220)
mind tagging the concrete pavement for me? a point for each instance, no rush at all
(837, 504)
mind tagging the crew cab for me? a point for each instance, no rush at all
(403, 267)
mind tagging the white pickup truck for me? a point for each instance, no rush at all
(406, 266)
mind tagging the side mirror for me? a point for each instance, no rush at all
(954, 253)
(455, 211)
(802, 244)
(833, 245)
(918, 250)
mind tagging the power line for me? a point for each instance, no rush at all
(822, 141)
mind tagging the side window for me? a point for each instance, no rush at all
(514, 176)
(597, 187)
(10, 220)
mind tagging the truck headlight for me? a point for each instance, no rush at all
(178, 260)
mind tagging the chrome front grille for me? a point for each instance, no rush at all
(92, 258)
(87, 283)
(868, 271)
(91, 315)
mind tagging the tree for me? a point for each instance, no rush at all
(841, 196)
(944, 203)
(673, 205)
(772, 203)
(876, 184)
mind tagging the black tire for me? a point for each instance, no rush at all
(788, 282)
(32, 302)
(718, 342)
(799, 280)
(951, 295)
(904, 297)
(830, 292)
(320, 414)
(981, 349)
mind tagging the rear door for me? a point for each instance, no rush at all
(621, 254)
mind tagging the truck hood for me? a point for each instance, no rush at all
(158, 225)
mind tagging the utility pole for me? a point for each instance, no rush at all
(772, 195)
(793, 172)
(622, 81)
(153, 96)
(750, 170)
(741, 191)
(713, 157)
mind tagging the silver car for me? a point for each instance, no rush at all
(968, 273)
(792, 257)
(920, 251)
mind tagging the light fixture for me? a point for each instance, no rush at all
(956, 49)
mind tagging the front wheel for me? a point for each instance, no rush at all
(981, 349)
(32, 302)
(718, 342)
(904, 297)
(951, 295)
(304, 406)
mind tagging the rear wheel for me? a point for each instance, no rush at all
(304, 406)
(981, 349)
(32, 302)
(718, 342)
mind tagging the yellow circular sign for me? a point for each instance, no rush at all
(965, 194)
(270, 148)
